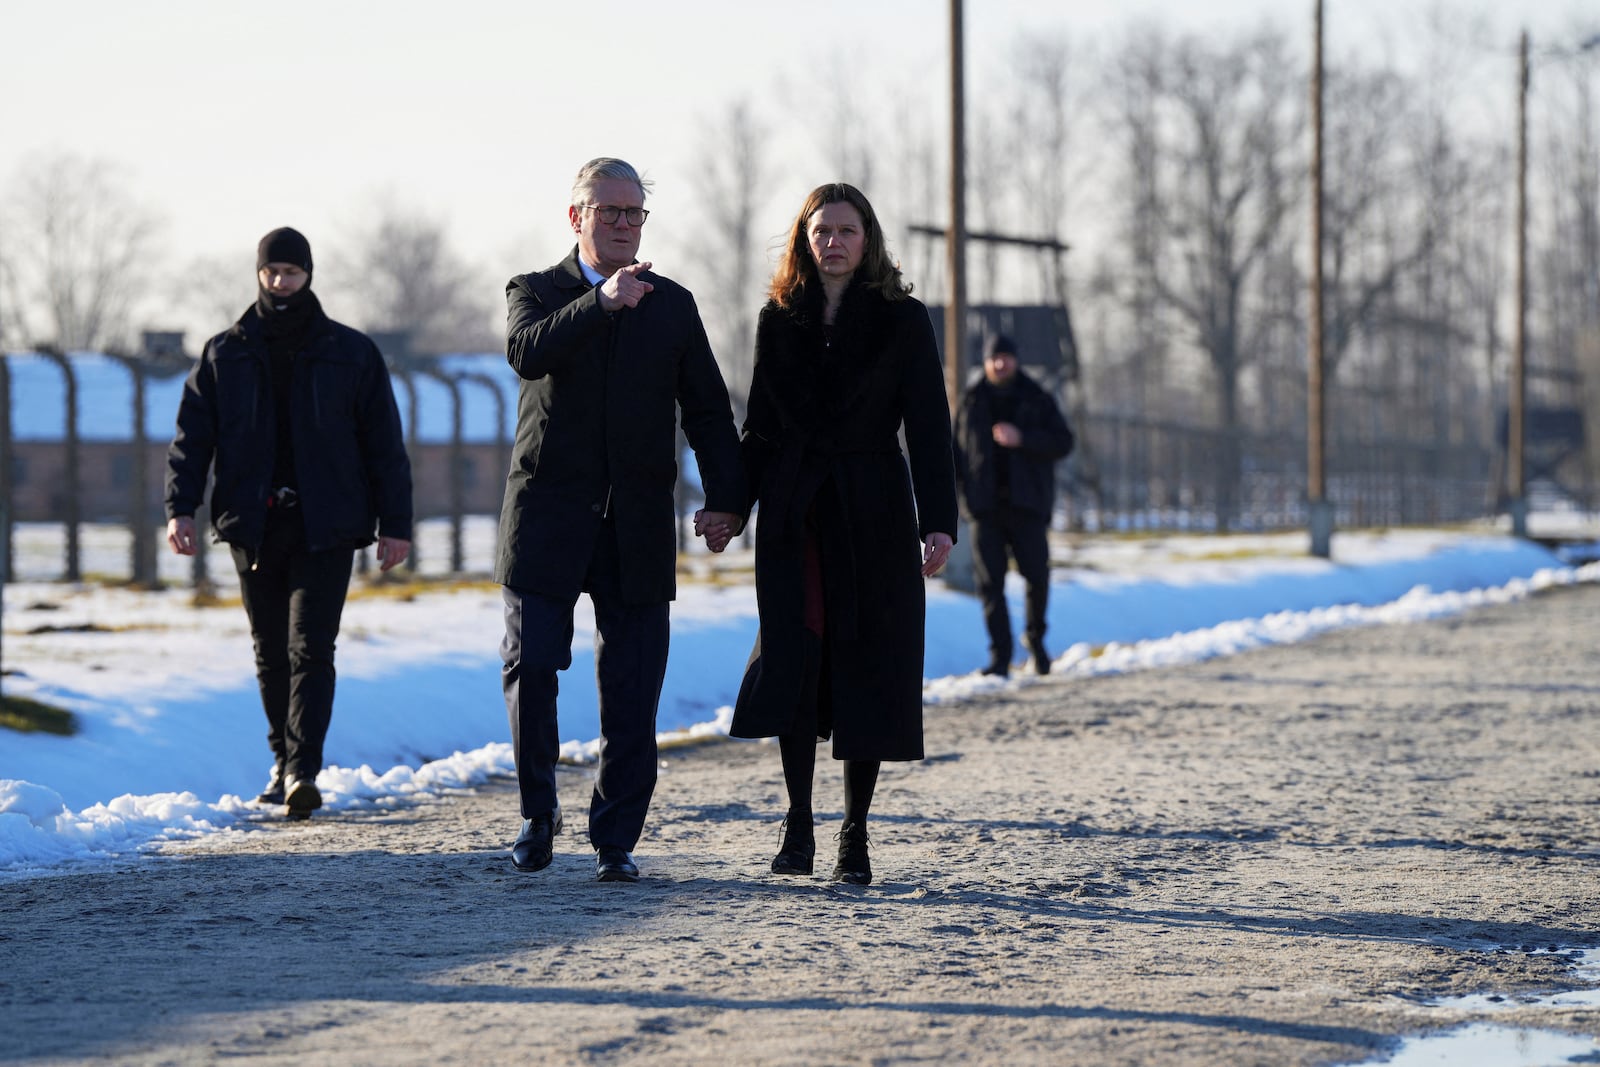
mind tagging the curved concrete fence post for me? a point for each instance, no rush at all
(71, 475)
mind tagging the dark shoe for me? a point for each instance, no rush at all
(272, 792)
(1041, 658)
(799, 849)
(853, 866)
(998, 668)
(535, 845)
(613, 864)
(300, 797)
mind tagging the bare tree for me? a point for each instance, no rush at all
(1045, 120)
(214, 290)
(732, 186)
(915, 184)
(1141, 213)
(1371, 234)
(1568, 176)
(1445, 318)
(844, 134)
(1223, 125)
(1564, 300)
(990, 159)
(407, 279)
(74, 238)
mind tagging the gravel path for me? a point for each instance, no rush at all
(1274, 858)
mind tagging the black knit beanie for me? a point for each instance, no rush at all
(285, 316)
(284, 245)
(997, 344)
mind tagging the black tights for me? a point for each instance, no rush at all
(799, 752)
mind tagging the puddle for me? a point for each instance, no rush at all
(1486, 1044)
(1585, 967)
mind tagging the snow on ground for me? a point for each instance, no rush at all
(172, 739)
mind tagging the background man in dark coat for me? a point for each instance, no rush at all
(297, 412)
(609, 352)
(1009, 434)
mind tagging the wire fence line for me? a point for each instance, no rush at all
(1128, 474)
(1138, 474)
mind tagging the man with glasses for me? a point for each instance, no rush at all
(1009, 433)
(610, 355)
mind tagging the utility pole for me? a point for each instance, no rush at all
(1516, 489)
(955, 312)
(958, 569)
(1319, 509)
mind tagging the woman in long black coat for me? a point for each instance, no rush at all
(846, 530)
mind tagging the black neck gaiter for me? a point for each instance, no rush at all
(286, 324)
(286, 316)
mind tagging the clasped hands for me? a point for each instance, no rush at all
(717, 527)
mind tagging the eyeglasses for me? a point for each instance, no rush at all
(610, 213)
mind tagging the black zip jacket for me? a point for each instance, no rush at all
(1046, 438)
(350, 457)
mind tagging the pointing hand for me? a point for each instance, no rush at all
(625, 288)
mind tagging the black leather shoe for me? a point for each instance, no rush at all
(301, 797)
(613, 864)
(798, 851)
(535, 845)
(998, 668)
(272, 792)
(853, 866)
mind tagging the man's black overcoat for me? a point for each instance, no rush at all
(596, 430)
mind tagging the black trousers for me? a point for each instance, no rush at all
(630, 662)
(294, 599)
(1023, 535)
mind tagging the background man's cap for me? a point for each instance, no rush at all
(997, 344)
(284, 245)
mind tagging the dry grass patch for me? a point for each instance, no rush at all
(31, 717)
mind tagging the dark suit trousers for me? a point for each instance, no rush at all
(1024, 535)
(294, 599)
(630, 655)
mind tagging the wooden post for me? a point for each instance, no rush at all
(955, 312)
(1319, 509)
(1516, 394)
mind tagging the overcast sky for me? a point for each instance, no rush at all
(228, 119)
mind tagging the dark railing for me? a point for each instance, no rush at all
(1131, 473)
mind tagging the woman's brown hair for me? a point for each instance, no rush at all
(796, 268)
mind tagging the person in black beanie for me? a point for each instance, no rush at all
(295, 416)
(1009, 433)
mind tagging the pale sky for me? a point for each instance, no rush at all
(229, 119)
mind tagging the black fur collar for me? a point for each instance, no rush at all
(814, 383)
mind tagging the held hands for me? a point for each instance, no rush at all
(625, 288)
(1006, 435)
(935, 551)
(392, 552)
(717, 527)
(181, 534)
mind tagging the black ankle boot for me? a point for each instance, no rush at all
(272, 792)
(853, 866)
(799, 848)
